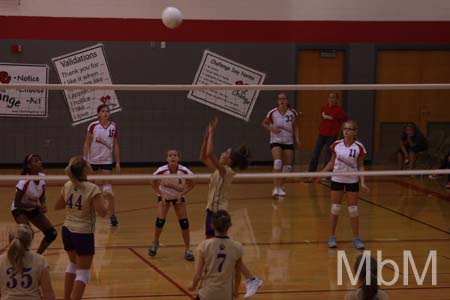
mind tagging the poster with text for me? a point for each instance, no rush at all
(23, 102)
(215, 69)
(86, 66)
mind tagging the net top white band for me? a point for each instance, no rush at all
(237, 176)
(188, 87)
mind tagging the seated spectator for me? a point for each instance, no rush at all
(412, 141)
(366, 291)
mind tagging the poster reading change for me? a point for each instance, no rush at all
(86, 66)
(23, 102)
(215, 69)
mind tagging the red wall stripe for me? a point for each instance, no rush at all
(101, 29)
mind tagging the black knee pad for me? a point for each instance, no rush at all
(184, 224)
(50, 235)
(160, 223)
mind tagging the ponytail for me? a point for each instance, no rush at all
(368, 290)
(20, 241)
(76, 170)
(239, 157)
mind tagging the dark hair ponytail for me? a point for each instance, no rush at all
(368, 290)
(239, 157)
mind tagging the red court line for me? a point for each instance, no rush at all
(160, 272)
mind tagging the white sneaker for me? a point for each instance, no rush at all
(275, 191)
(281, 192)
(252, 286)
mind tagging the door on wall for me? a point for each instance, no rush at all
(316, 67)
(420, 107)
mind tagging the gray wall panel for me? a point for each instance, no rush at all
(150, 122)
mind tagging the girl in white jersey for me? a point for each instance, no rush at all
(219, 264)
(81, 199)
(172, 191)
(22, 271)
(100, 144)
(29, 205)
(347, 156)
(281, 122)
(220, 187)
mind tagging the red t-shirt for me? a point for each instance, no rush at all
(332, 127)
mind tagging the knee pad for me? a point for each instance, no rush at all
(71, 268)
(107, 188)
(160, 223)
(50, 235)
(83, 276)
(277, 164)
(287, 168)
(184, 224)
(353, 211)
(335, 209)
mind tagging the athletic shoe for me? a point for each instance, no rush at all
(252, 286)
(434, 176)
(188, 255)
(281, 192)
(332, 242)
(275, 191)
(447, 186)
(114, 221)
(358, 244)
(153, 249)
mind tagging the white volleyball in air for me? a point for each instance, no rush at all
(171, 17)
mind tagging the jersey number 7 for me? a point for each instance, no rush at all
(221, 256)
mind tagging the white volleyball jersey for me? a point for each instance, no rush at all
(347, 160)
(172, 188)
(284, 123)
(101, 149)
(32, 191)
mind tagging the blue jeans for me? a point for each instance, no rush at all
(321, 141)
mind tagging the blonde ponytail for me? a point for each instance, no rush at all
(20, 241)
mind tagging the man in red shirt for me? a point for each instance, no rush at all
(332, 118)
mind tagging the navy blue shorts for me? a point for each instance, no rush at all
(96, 167)
(209, 231)
(82, 243)
(283, 146)
(348, 187)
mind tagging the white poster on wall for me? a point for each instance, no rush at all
(86, 66)
(23, 102)
(215, 69)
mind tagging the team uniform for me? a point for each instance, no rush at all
(101, 148)
(218, 195)
(32, 193)
(284, 139)
(79, 224)
(221, 255)
(23, 286)
(346, 161)
(168, 193)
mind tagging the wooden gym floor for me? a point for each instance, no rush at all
(284, 241)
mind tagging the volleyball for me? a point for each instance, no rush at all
(171, 17)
